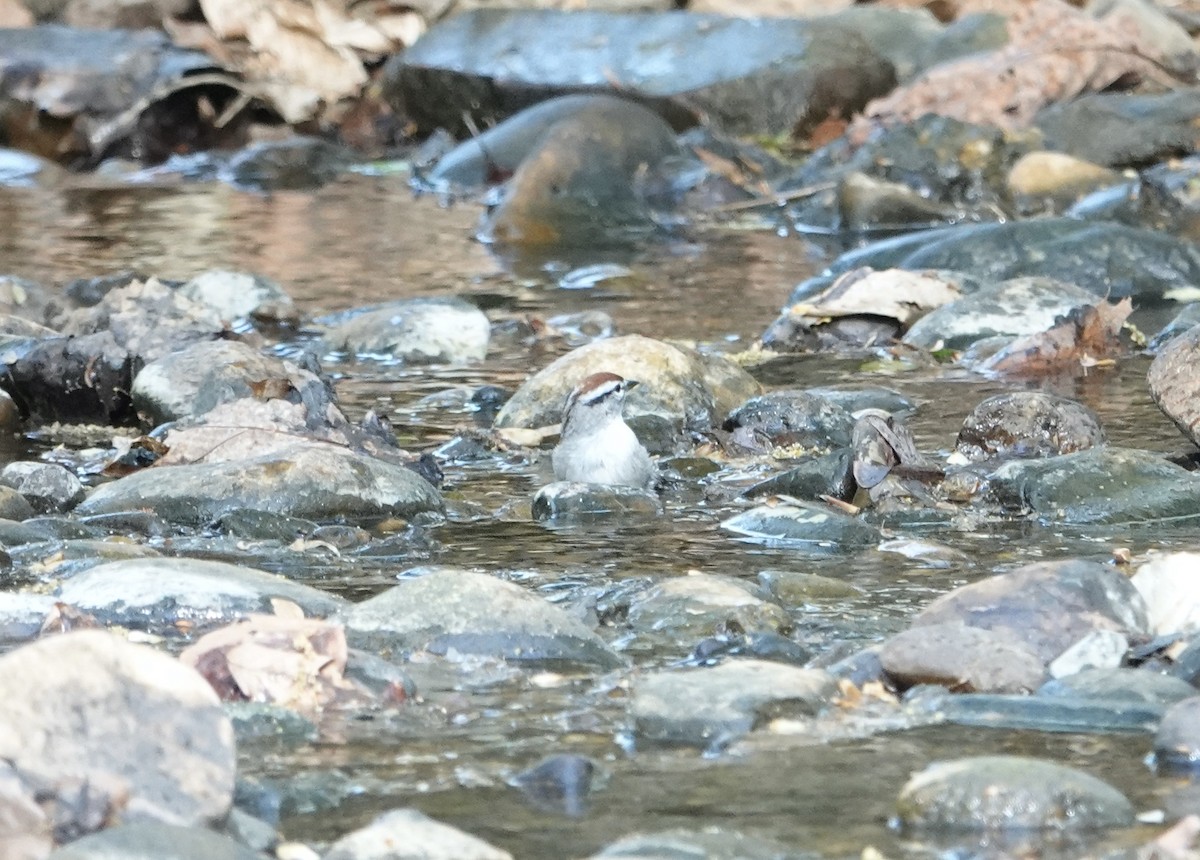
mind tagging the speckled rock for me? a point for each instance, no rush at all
(48, 487)
(1027, 424)
(792, 418)
(442, 330)
(234, 295)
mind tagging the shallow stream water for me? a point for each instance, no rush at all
(367, 239)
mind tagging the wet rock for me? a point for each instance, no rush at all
(147, 319)
(1022, 712)
(711, 843)
(127, 14)
(1172, 380)
(406, 834)
(307, 480)
(1122, 129)
(198, 377)
(48, 487)
(13, 505)
(237, 295)
(853, 397)
(711, 707)
(294, 164)
(22, 615)
(75, 380)
(1177, 743)
(1099, 485)
(1049, 606)
(1169, 583)
(796, 419)
(448, 611)
(1106, 259)
(567, 501)
(685, 608)
(153, 841)
(449, 330)
(866, 202)
(588, 180)
(1027, 424)
(90, 702)
(1128, 685)
(828, 475)
(805, 523)
(795, 588)
(558, 783)
(24, 170)
(678, 391)
(1015, 307)
(488, 62)
(260, 721)
(1052, 180)
(1187, 318)
(165, 594)
(86, 79)
(964, 659)
(1009, 792)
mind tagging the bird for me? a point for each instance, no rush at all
(596, 446)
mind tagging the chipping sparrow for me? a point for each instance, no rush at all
(597, 446)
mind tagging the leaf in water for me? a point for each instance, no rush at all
(895, 294)
(1086, 337)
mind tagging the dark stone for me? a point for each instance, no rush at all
(1123, 129)
(565, 502)
(558, 783)
(1126, 685)
(1022, 712)
(747, 76)
(48, 487)
(1027, 424)
(1177, 744)
(793, 418)
(828, 475)
(75, 380)
(295, 164)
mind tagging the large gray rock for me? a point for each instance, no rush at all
(446, 610)
(747, 76)
(1172, 378)
(714, 706)
(157, 593)
(1098, 485)
(1009, 792)
(48, 487)
(90, 702)
(308, 480)
(406, 834)
(964, 659)
(679, 389)
(234, 295)
(198, 377)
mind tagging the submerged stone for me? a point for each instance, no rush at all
(803, 523)
(1098, 485)
(1009, 792)
(685, 608)
(1027, 424)
(567, 501)
(1022, 712)
(456, 612)
(712, 707)
(827, 475)
(709, 843)
(294, 164)
(486, 63)
(308, 480)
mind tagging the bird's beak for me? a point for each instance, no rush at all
(631, 384)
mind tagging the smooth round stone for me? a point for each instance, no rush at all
(159, 593)
(48, 487)
(406, 834)
(1177, 743)
(90, 701)
(1008, 793)
(714, 706)
(1056, 177)
(802, 523)
(796, 588)
(448, 611)
(1027, 424)
(688, 607)
(443, 330)
(1128, 685)
(235, 295)
(13, 505)
(827, 475)
(152, 841)
(679, 388)
(568, 501)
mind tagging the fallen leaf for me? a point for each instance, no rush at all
(896, 294)
(1087, 336)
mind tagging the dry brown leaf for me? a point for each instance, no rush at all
(297, 663)
(733, 172)
(1055, 52)
(896, 294)
(1087, 336)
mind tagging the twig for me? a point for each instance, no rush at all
(775, 199)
